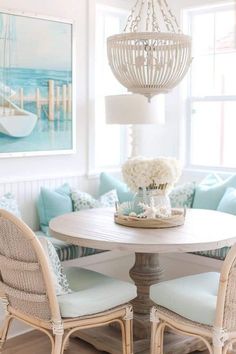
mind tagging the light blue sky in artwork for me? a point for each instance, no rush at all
(42, 44)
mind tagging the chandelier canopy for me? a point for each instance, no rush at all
(152, 55)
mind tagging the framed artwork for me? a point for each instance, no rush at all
(36, 85)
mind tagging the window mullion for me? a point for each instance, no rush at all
(213, 98)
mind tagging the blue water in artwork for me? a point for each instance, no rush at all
(47, 135)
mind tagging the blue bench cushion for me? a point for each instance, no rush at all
(216, 254)
(93, 292)
(193, 297)
(66, 251)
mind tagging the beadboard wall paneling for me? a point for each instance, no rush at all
(26, 192)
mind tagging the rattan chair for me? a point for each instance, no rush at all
(28, 294)
(218, 332)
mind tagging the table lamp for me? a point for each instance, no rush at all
(134, 109)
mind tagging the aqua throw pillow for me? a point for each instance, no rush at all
(210, 191)
(52, 203)
(82, 200)
(182, 196)
(8, 202)
(228, 201)
(108, 183)
(211, 180)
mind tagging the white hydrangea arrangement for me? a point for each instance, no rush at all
(159, 173)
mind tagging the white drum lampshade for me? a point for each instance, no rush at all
(134, 109)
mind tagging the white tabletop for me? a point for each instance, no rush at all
(202, 230)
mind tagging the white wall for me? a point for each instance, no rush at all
(74, 164)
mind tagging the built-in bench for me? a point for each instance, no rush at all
(26, 193)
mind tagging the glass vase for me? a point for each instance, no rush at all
(141, 196)
(161, 202)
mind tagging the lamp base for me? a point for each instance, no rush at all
(133, 140)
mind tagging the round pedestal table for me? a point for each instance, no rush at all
(202, 230)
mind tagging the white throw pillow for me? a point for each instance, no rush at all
(182, 195)
(8, 202)
(82, 200)
(60, 281)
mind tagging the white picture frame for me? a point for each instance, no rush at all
(37, 85)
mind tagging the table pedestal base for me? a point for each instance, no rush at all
(108, 339)
(145, 272)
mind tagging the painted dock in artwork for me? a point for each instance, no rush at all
(51, 102)
(59, 97)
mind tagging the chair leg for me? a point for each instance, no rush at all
(4, 330)
(127, 331)
(154, 326)
(217, 350)
(67, 344)
(127, 336)
(229, 349)
(157, 337)
(57, 345)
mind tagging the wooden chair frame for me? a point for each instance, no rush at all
(57, 328)
(218, 338)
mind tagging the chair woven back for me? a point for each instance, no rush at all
(226, 300)
(25, 274)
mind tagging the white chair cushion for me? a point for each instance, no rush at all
(93, 292)
(193, 297)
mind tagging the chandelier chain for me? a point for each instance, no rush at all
(168, 23)
(148, 20)
(155, 25)
(130, 18)
(136, 19)
(172, 16)
(150, 9)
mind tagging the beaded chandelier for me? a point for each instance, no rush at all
(152, 55)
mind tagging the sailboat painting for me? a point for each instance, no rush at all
(36, 91)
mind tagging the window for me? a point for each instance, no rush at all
(211, 121)
(109, 140)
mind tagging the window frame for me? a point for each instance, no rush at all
(188, 15)
(92, 169)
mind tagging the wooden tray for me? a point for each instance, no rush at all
(176, 219)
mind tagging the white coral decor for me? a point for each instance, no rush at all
(151, 173)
